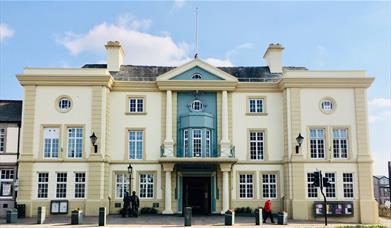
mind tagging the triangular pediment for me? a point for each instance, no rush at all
(196, 66)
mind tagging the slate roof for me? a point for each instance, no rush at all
(10, 111)
(149, 73)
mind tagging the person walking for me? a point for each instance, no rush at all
(267, 211)
(135, 204)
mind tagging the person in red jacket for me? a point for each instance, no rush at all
(267, 211)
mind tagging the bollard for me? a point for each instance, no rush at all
(258, 217)
(41, 215)
(102, 216)
(229, 218)
(188, 213)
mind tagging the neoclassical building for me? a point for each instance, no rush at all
(197, 135)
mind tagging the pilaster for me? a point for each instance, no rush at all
(225, 143)
(168, 142)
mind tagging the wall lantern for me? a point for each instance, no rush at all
(93, 141)
(299, 141)
(130, 169)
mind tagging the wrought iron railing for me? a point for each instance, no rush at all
(216, 152)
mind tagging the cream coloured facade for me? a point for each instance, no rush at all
(196, 135)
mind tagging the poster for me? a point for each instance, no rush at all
(334, 209)
(349, 209)
(59, 207)
(64, 207)
(6, 189)
(54, 207)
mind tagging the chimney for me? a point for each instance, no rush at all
(115, 55)
(273, 57)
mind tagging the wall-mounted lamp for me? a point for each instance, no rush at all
(93, 141)
(299, 141)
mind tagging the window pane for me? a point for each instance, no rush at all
(135, 144)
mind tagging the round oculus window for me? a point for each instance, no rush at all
(327, 105)
(197, 106)
(64, 104)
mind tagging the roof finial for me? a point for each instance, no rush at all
(196, 33)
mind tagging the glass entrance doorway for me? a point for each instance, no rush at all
(197, 194)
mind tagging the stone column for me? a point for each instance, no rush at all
(168, 168)
(168, 142)
(225, 144)
(225, 168)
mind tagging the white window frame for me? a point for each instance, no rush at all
(247, 185)
(340, 143)
(197, 141)
(51, 144)
(348, 185)
(6, 179)
(121, 185)
(316, 142)
(75, 142)
(257, 144)
(146, 185)
(331, 192)
(312, 191)
(197, 106)
(135, 151)
(327, 105)
(256, 105)
(3, 132)
(42, 185)
(64, 104)
(196, 76)
(207, 143)
(61, 185)
(269, 183)
(186, 142)
(80, 185)
(138, 107)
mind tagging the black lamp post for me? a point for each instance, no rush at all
(93, 141)
(130, 171)
(299, 141)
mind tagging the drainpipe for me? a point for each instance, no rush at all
(17, 164)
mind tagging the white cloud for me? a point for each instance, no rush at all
(5, 32)
(380, 116)
(236, 50)
(178, 4)
(219, 62)
(380, 110)
(380, 102)
(141, 47)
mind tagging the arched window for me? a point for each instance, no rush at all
(196, 76)
(196, 105)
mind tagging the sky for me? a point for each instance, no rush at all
(317, 35)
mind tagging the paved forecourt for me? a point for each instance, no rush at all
(165, 221)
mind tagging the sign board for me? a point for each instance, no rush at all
(59, 207)
(334, 209)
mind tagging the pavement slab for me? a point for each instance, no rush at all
(167, 221)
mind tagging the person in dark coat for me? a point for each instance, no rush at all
(126, 208)
(267, 211)
(135, 204)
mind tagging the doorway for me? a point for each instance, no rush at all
(197, 194)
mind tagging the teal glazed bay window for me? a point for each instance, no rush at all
(196, 124)
(197, 142)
